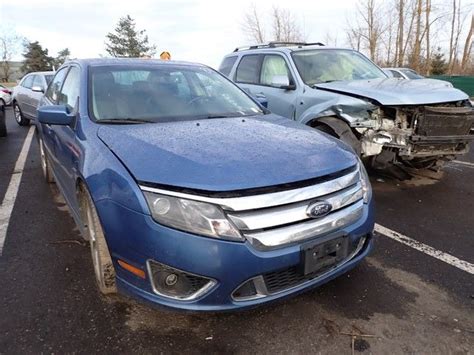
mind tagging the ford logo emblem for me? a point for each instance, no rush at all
(318, 209)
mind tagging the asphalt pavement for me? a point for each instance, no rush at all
(400, 300)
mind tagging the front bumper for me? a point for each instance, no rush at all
(136, 239)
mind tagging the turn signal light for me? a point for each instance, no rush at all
(134, 270)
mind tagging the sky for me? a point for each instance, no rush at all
(192, 30)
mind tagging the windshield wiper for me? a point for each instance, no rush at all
(124, 120)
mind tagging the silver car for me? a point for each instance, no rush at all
(403, 73)
(5, 95)
(27, 94)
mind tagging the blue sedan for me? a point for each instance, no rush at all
(191, 194)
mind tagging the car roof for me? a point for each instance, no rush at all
(130, 61)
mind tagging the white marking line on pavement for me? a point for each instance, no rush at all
(447, 258)
(471, 165)
(8, 202)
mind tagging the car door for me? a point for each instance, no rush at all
(247, 73)
(65, 142)
(256, 74)
(278, 86)
(35, 96)
(51, 98)
(22, 96)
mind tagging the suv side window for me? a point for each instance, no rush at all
(28, 81)
(273, 65)
(55, 85)
(227, 64)
(70, 90)
(248, 71)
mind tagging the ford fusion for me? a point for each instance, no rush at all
(191, 194)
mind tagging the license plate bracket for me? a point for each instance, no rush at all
(323, 254)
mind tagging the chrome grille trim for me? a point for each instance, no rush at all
(271, 199)
(277, 216)
(312, 228)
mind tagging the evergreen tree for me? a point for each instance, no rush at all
(62, 57)
(36, 58)
(438, 63)
(127, 41)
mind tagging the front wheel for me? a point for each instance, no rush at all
(19, 117)
(103, 267)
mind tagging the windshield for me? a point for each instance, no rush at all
(411, 74)
(164, 93)
(325, 65)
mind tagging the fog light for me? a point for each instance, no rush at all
(171, 279)
(169, 282)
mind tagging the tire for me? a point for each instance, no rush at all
(101, 260)
(45, 165)
(339, 129)
(19, 117)
(3, 124)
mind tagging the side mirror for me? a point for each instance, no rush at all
(37, 89)
(282, 82)
(55, 115)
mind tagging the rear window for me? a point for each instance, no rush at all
(248, 70)
(227, 64)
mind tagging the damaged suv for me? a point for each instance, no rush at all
(392, 123)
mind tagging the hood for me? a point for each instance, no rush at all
(226, 154)
(393, 91)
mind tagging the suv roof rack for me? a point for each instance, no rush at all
(275, 44)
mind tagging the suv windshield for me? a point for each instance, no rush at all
(325, 65)
(158, 93)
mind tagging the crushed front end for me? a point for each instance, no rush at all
(417, 136)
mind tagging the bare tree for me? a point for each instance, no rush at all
(466, 56)
(427, 34)
(368, 27)
(283, 26)
(415, 56)
(252, 25)
(10, 44)
(400, 33)
(354, 38)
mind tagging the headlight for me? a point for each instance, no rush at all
(365, 182)
(191, 216)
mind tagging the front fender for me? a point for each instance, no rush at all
(348, 109)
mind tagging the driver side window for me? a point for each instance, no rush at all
(273, 66)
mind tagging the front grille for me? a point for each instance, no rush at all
(283, 218)
(445, 121)
(293, 276)
(284, 279)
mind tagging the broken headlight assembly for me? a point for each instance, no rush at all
(191, 216)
